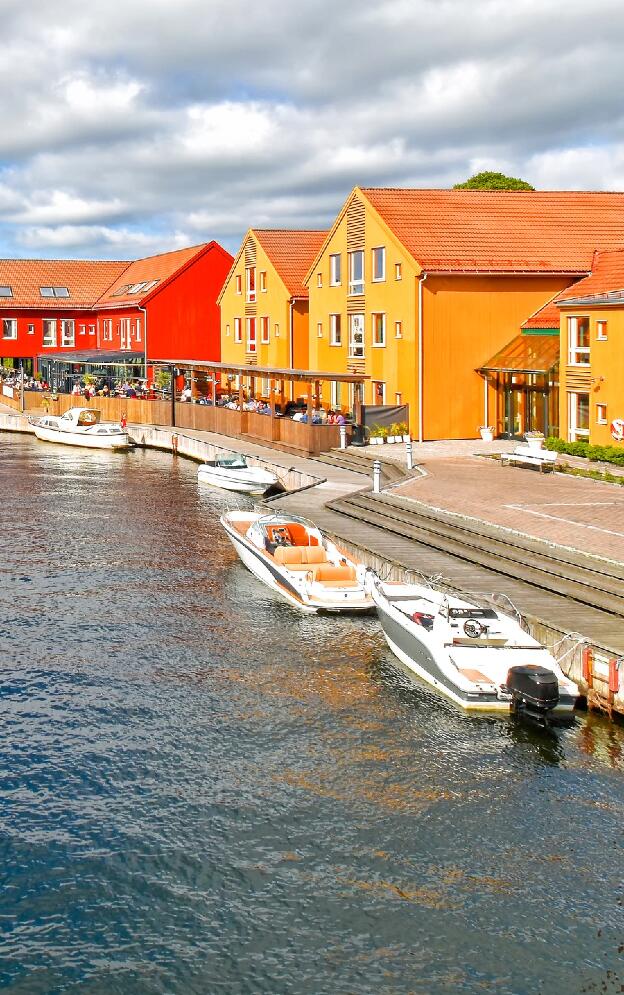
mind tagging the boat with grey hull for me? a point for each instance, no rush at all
(478, 657)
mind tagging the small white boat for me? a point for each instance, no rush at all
(81, 427)
(478, 657)
(232, 473)
(291, 556)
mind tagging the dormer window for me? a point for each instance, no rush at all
(54, 291)
(6, 291)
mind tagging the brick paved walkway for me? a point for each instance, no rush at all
(570, 511)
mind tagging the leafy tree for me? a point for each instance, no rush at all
(493, 181)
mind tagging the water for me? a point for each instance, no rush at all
(203, 791)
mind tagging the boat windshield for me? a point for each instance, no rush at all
(237, 462)
(472, 613)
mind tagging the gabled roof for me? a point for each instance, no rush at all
(606, 279)
(501, 231)
(546, 316)
(146, 271)
(85, 279)
(291, 252)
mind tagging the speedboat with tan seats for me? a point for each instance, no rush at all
(478, 657)
(291, 556)
(81, 427)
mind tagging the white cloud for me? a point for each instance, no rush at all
(133, 127)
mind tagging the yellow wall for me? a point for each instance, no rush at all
(273, 303)
(602, 380)
(394, 363)
(467, 319)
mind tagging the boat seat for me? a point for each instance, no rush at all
(334, 576)
(291, 534)
(295, 556)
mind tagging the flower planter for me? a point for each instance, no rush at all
(534, 441)
(407, 438)
(487, 434)
(390, 440)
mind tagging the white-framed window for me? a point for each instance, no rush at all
(319, 280)
(398, 329)
(335, 270)
(138, 329)
(9, 328)
(92, 330)
(49, 332)
(31, 329)
(379, 329)
(250, 278)
(107, 329)
(238, 282)
(68, 332)
(319, 329)
(356, 272)
(578, 341)
(578, 417)
(238, 329)
(379, 264)
(335, 393)
(398, 398)
(252, 345)
(601, 331)
(276, 330)
(262, 278)
(601, 414)
(356, 336)
(398, 271)
(227, 331)
(82, 329)
(266, 386)
(264, 330)
(378, 392)
(124, 333)
(335, 329)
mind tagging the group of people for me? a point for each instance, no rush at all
(122, 388)
(13, 378)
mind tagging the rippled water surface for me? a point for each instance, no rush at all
(203, 791)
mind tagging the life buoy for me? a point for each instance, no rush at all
(617, 429)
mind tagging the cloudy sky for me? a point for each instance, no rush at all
(138, 126)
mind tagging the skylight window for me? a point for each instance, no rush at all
(120, 291)
(54, 291)
(6, 291)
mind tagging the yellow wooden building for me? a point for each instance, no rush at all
(418, 289)
(264, 303)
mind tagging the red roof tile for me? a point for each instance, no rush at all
(606, 277)
(502, 231)
(86, 280)
(152, 268)
(546, 316)
(292, 253)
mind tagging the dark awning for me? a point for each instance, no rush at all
(525, 354)
(101, 358)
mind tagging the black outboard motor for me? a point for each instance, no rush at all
(534, 692)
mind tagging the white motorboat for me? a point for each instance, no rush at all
(478, 657)
(233, 473)
(81, 427)
(291, 556)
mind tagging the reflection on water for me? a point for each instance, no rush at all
(202, 790)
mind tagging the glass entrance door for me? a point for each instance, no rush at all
(526, 410)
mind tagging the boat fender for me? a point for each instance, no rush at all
(474, 628)
(421, 618)
(614, 676)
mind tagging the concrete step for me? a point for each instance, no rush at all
(349, 459)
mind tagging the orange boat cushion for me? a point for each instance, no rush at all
(328, 572)
(293, 555)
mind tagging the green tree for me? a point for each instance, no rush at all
(493, 181)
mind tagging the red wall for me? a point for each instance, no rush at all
(27, 345)
(184, 317)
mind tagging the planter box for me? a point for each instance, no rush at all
(534, 442)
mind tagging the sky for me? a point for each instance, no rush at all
(139, 127)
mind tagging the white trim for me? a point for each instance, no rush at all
(12, 323)
(356, 283)
(574, 350)
(332, 281)
(382, 278)
(333, 340)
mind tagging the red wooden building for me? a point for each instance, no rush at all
(164, 305)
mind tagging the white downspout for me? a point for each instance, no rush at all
(291, 344)
(421, 280)
(144, 311)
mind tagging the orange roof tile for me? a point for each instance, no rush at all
(292, 253)
(86, 280)
(152, 268)
(502, 231)
(546, 316)
(606, 277)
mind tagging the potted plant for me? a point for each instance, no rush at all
(402, 432)
(534, 440)
(487, 433)
(376, 435)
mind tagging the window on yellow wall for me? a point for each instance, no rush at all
(319, 280)
(356, 272)
(335, 268)
(601, 331)
(601, 414)
(335, 327)
(379, 329)
(578, 341)
(239, 283)
(379, 264)
(263, 284)
(398, 329)
(238, 330)
(251, 283)
(319, 329)
(252, 345)
(227, 331)
(378, 392)
(398, 271)
(264, 330)
(276, 330)
(398, 398)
